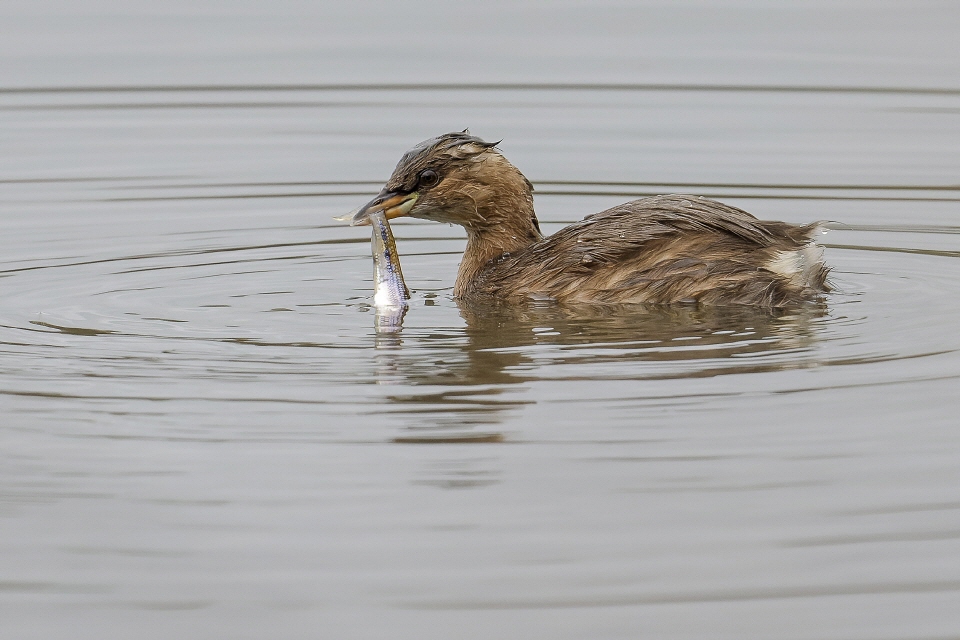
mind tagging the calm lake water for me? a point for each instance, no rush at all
(203, 435)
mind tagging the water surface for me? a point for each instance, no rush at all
(203, 435)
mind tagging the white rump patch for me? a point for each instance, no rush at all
(798, 265)
(788, 264)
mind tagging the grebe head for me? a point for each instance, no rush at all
(456, 178)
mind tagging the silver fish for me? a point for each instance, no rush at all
(389, 289)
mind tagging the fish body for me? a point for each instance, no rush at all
(389, 289)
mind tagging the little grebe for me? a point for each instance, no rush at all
(660, 250)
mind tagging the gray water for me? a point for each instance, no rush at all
(203, 435)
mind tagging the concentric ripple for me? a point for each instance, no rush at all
(199, 416)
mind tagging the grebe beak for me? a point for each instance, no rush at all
(391, 203)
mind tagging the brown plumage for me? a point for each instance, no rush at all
(661, 250)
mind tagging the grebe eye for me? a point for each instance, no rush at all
(428, 178)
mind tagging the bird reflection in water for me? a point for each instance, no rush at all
(719, 337)
(457, 381)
